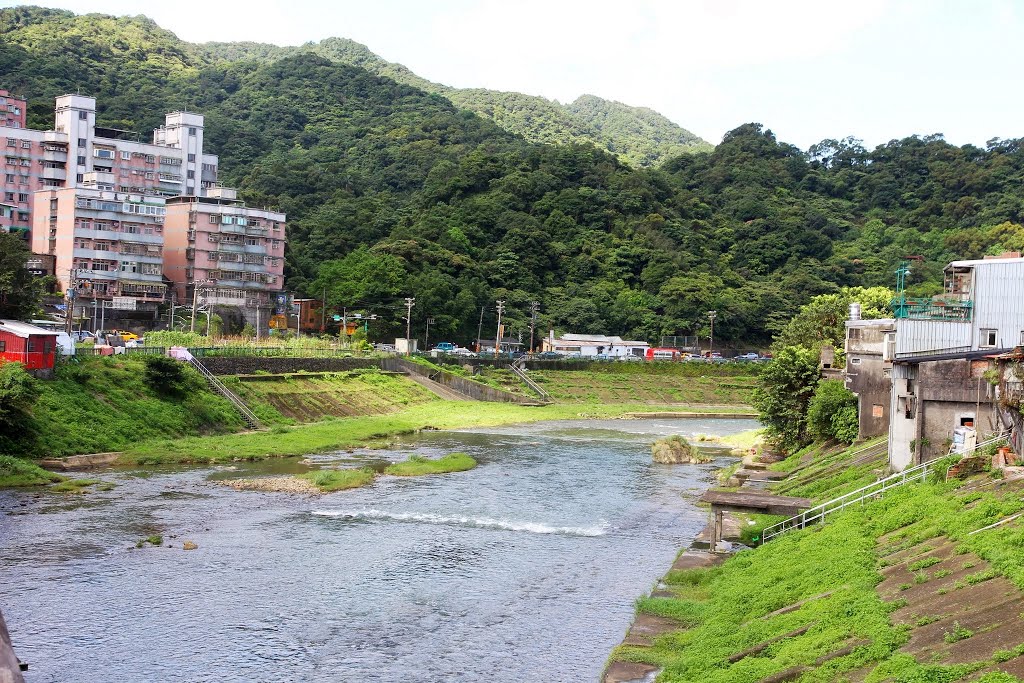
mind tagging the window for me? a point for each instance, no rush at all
(81, 142)
(103, 153)
(83, 116)
(11, 142)
(252, 242)
(81, 160)
(3, 345)
(226, 220)
(9, 177)
(853, 333)
(855, 361)
(191, 157)
(889, 353)
(213, 218)
(988, 338)
(129, 266)
(25, 144)
(190, 175)
(32, 345)
(79, 177)
(9, 196)
(125, 156)
(191, 130)
(22, 197)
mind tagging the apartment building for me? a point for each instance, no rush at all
(107, 246)
(868, 350)
(233, 253)
(172, 164)
(13, 110)
(941, 349)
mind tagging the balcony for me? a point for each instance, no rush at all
(55, 154)
(934, 308)
(55, 174)
(118, 236)
(55, 136)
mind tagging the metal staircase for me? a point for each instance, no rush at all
(518, 368)
(218, 386)
(878, 488)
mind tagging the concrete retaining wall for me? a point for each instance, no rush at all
(248, 365)
(466, 387)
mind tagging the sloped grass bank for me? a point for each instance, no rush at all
(298, 398)
(806, 606)
(105, 404)
(17, 472)
(636, 383)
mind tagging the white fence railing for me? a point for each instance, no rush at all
(819, 512)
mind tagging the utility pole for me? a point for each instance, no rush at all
(497, 339)
(534, 307)
(69, 297)
(195, 302)
(410, 301)
(426, 342)
(480, 330)
(323, 312)
(711, 316)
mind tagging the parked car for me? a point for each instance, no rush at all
(126, 335)
(748, 356)
(461, 351)
(548, 355)
(445, 347)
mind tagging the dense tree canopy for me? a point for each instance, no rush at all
(393, 191)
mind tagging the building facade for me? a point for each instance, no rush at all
(172, 164)
(233, 253)
(593, 345)
(868, 371)
(107, 247)
(942, 347)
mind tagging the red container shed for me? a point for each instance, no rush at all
(29, 345)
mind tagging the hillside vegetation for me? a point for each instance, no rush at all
(393, 191)
(636, 135)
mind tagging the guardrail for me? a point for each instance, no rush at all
(819, 512)
(275, 351)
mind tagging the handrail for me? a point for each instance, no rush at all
(219, 386)
(819, 512)
(521, 374)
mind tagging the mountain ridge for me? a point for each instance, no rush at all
(639, 136)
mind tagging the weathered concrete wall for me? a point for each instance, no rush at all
(10, 672)
(948, 394)
(462, 385)
(872, 385)
(247, 365)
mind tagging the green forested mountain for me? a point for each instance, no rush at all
(393, 191)
(640, 137)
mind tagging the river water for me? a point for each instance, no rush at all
(523, 569)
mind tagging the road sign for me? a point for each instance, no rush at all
(123, 303)
(337, 318)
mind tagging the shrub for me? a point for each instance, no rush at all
(783, 391)
(165, 375)
(174, 338)
(19, 391)
(832, 412)
(958, 633)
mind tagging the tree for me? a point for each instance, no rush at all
(822, 321)
(830, 410)
(20, 291)
(784, 389)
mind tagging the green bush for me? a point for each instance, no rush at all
(166, 375)
(19, 391)
(174, 338)
(832, 412)
(784, 390)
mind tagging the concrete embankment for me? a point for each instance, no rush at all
(808, 605)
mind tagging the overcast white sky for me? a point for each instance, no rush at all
(807, 69)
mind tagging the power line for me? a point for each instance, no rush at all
(534, 307)
(409, 303)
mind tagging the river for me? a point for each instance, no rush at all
(523, 569)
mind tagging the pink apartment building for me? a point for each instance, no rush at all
(107, 246)
(233, 253)
(172, 164)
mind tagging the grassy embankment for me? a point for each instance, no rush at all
(333, 434)
(104, 404)
(18, 473)
(623, 382)
(810, 603)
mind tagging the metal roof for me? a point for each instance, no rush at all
(24, 330)
(983, 261)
